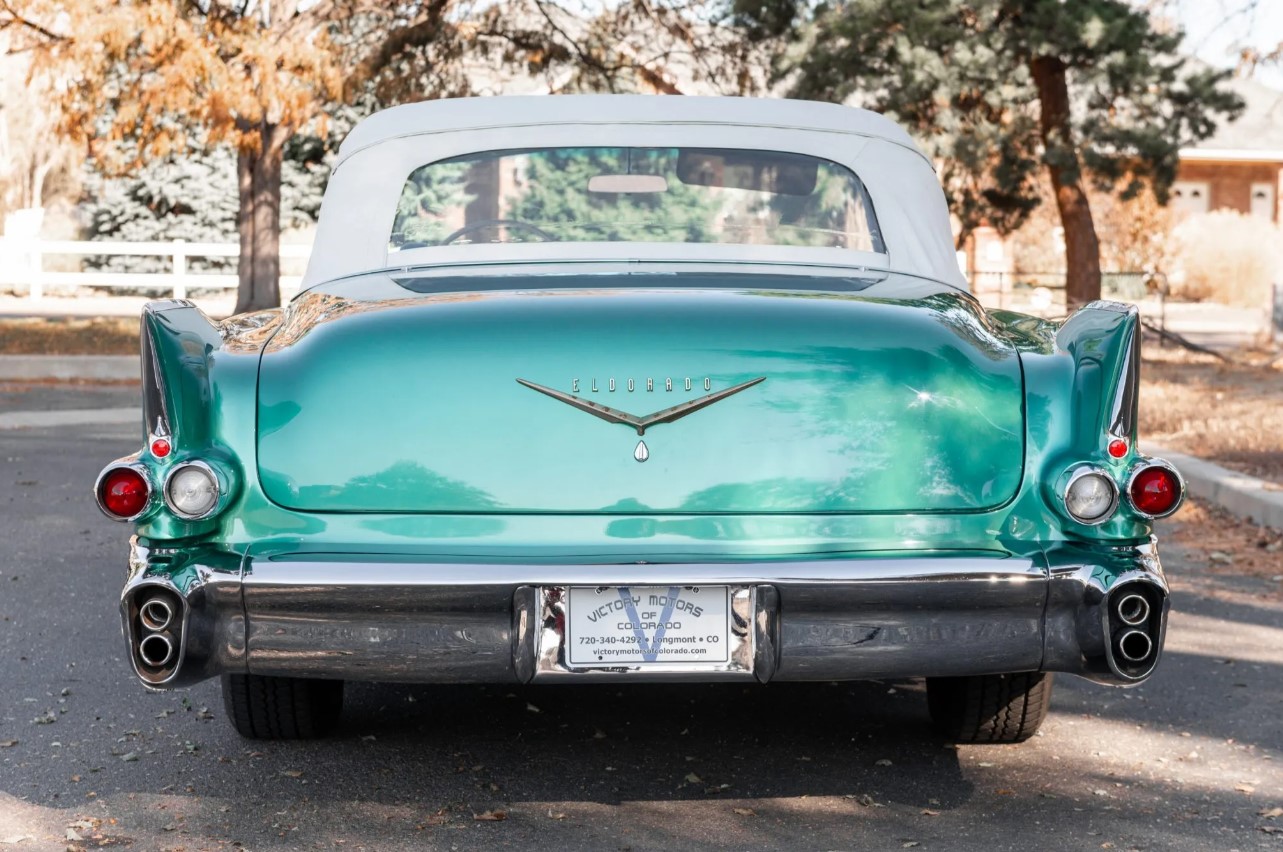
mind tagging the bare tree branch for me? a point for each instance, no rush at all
(11, 17)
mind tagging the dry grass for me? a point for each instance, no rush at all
(1227, 544)
(1228, 413)
(57, 336)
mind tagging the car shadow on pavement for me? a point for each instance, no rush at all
(611, 743)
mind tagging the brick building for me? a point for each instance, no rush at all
(1241, 167)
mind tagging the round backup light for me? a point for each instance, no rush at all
(1091, 496)
(191, 490)
(123, 493)
(1155, 491)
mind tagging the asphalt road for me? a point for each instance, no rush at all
(1191, 760)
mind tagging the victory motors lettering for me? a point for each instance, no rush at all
(610, 607)
(679, 605)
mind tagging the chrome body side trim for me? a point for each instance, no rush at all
(1124, 409)
(156, 418)
(366, 617)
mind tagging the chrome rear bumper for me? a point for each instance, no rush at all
(369, 618)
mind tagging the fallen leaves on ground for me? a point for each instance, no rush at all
(745, 811)
(59, 336)
(1227, 543)
(491, 816)
(863, 799)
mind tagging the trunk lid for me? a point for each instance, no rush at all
(864, 405)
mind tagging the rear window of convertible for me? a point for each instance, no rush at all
(670, 195)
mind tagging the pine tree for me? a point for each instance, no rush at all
(557, 198)
(996, 90)
(193, 198)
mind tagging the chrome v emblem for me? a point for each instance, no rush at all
(641, 424)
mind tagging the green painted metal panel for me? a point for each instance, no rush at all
(868, 405)
(1071, 373)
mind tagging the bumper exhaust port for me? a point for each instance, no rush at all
(1133, 610)
(1135, 646)
(156, 650)
(156, 614)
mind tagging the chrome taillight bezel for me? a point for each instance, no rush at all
(1140, 467)
(220, 485)
(136, 467)
(1078, 472)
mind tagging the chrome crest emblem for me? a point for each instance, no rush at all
(641, 424)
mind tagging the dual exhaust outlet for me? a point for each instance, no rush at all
(157, 648)
(1133, 641)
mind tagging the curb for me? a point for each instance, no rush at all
(1245, 496)
(102, 368)
(69, 417)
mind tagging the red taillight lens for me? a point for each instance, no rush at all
(124, 493)
(1155, 491)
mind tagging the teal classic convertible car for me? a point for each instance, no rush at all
(598, 389)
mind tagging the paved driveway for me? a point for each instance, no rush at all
(1188, 761)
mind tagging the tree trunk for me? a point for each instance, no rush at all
(258, 173)
(1082, 248)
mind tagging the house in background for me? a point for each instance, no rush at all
(1241, 167)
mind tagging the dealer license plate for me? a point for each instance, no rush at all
(616, 625)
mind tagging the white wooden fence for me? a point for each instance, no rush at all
(23, 262)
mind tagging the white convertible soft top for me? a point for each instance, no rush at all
(380, 153)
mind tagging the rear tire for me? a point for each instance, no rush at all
(282, 708)
(1005, 708)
